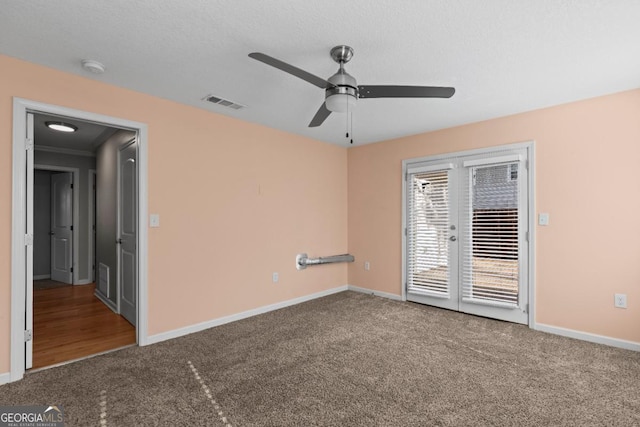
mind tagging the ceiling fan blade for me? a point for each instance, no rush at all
(287, 68)
(405, 92)
(320, 116)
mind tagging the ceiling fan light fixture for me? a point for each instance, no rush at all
(340, 102)
(61, 126)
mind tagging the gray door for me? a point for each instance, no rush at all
(127, 231)
(62, 227)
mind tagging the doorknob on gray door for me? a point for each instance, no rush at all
(51, 233)
(453, 238)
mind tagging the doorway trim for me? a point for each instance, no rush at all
(18, 238)
(530, 147)
(76, 214)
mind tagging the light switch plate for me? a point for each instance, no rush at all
(154, 220)
(543, 219)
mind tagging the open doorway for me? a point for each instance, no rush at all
(88, 165)
(73, 323)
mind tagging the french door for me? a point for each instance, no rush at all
(467, 233)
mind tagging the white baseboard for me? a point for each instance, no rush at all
(42, 277)
(570, 333)
(106, 302)
(83, 282)
(5, 378)
(586, 336)
(376, 293)
(163, 336)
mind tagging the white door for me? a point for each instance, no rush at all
(467, 229)
(432, 254)
(28, 350)
(62, 227)
(127, 231)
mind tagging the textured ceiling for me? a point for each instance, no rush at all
(502, 56)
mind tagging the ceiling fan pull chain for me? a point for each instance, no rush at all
(351, 114)
(347, 117)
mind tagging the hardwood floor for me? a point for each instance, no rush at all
(70, 322)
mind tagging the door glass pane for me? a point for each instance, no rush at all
(490, 259)
(427, 234)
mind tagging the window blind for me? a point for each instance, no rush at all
(427, 233)
(489, 228)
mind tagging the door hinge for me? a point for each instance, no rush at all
(72, 269)
(71, 185)
(28, 335)
(72, 228)
(526, 308)
(28, 144)
(405, 231)
(28, 239)
(526, 236)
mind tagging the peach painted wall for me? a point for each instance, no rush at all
(587, 179)
(237, 202)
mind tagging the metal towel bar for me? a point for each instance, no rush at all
(302, 260)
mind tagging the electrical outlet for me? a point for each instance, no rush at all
(367, 266)
(275, 277)
(620, 300)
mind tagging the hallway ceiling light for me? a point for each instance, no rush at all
(61, 126)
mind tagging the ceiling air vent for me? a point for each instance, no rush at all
(223, 102)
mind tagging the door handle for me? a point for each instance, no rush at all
(453, 238)
(119, 242)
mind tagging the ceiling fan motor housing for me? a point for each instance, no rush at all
(343, 95)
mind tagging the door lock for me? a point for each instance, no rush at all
(453, 238)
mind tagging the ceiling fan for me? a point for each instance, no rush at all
(341, 90)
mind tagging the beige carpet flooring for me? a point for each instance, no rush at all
(348, 359)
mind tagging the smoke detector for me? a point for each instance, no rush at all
(92, 66)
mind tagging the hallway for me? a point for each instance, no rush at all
(69, 322)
